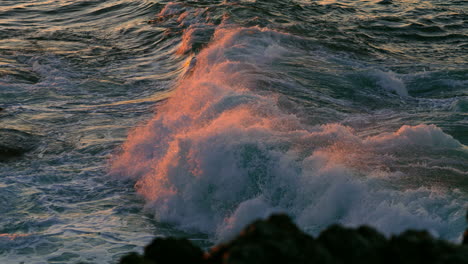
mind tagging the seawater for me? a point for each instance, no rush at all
(193, 118)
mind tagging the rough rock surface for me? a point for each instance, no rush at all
(278, 240)
(14, 143)
(167, 250)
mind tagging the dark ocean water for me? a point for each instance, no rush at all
(193, 118)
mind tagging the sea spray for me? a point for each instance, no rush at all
(219, 154)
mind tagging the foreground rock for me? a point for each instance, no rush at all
(14, 143)
(278, 240)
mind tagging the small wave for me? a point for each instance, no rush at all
(390, 82)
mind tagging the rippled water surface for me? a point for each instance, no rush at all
(191, 119)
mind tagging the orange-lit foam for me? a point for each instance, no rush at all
(217, 154)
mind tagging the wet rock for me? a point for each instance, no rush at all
(165, 251)
(172, 250)
(276, 240)
(132, 258)
(14, 143)
(465, 234)
(465, 238)
(420, 247)
(279, 240)
(353, 245)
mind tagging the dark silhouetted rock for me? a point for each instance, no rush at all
(278, 240)
(167, 251)
(465, 235)
(420, 247)
(132, 258)
(14, 143)
(353, 245)
(172, 250)
(465, 238)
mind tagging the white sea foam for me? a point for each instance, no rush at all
(391, 82)
(218, 155)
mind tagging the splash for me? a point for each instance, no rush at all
(219, 154)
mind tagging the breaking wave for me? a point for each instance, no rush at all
(220, 153)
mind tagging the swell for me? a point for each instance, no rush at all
(221, 152)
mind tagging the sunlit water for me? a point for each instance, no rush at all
(192, 119)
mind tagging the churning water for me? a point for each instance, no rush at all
(192, 119)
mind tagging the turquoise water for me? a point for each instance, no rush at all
(193, 118)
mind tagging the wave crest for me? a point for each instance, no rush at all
(218, 154)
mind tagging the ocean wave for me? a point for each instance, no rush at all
(220, 153)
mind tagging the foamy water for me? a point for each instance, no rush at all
(193, 119)
(218, 155)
